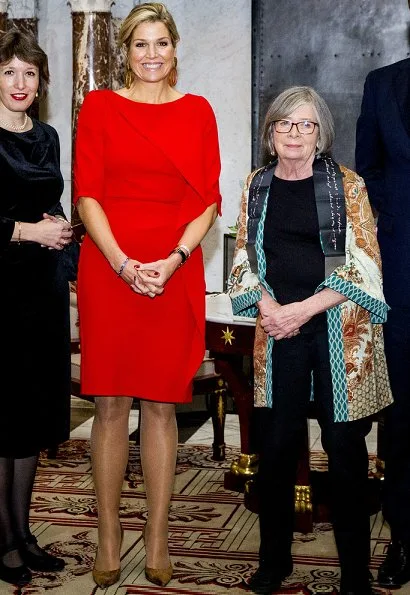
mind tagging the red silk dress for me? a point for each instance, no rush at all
(153, 168)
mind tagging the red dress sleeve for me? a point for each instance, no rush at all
(89, 149)
(212, 162)
(199, 160)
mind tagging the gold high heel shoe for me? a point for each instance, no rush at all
(106, 578)
(157, 576)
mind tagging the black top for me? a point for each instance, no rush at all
(295, 263)
(31, 181)
(34, 300)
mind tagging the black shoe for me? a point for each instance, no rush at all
(19, 575)
(363, 590)
(395, 570)
(42, 562)
(361, 585)
(265, 581)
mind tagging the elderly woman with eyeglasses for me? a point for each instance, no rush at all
(307, 264)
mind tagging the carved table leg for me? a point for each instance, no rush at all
(218, 412)
(246, 466)
(303, 490)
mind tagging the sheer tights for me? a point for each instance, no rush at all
(16, 487)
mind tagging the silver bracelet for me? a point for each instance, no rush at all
(122, 267)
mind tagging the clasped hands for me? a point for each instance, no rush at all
(282, 322)
(55, 232)
(150, 278)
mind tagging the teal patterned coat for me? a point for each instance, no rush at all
(358, 365)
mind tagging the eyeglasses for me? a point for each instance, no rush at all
(303, 127)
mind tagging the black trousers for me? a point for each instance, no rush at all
(396, 493)
(280, 432)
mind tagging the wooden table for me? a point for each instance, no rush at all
(228, 344)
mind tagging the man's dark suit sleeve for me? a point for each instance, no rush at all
(369, 146)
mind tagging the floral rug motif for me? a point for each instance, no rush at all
(213, 537)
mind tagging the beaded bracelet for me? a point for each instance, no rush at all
(122, 267)
(19, 232)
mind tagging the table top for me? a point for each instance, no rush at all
(219, 310)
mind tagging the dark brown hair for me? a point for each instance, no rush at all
(24, 46)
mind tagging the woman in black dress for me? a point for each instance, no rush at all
(34, 302)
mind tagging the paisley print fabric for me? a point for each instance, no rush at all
(359, 372)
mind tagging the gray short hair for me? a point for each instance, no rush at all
(286, 103)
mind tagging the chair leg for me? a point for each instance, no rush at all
(138, 430)
(218, 413)
(380, 446)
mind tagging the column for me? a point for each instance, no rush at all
(117, 66)
(23, 16)
(3, 14)
(91, 59)
(91, 48)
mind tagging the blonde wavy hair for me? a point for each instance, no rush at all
(149, 12)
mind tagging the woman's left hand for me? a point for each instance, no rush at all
(285, 322)
(157, 273)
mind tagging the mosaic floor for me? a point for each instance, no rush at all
(213, 538)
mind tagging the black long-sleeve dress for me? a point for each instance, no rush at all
(34, 300)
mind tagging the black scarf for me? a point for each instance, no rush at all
(330, 205)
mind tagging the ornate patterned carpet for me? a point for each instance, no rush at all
(213, 538)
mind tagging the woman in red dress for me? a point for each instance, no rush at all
(146, 184)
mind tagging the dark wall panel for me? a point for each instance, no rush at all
(330, 45)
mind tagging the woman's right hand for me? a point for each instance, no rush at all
(51, 232)
(132, 279)
(267, 307)
(267, 304)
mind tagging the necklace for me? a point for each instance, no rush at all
(13, 127)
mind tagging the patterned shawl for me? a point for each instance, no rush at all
(358, 365)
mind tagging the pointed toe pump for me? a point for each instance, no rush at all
(106, 578)
(157, 576)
